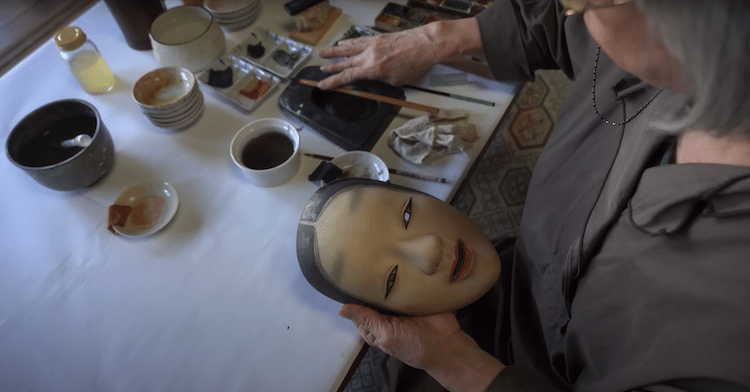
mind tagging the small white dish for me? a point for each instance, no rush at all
(361, 164)
(157, 199)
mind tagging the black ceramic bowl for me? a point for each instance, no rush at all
(34, 145)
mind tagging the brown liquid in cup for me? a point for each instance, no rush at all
(267, 151)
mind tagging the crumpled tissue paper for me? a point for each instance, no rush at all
(426, 138)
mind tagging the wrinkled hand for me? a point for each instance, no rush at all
(433, 343)
(395, 58)
(421, 342)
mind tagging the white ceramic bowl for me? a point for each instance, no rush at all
(229, 7)
(361, 164)
(276, 175)
(181, 121)
(176, 111)
(161, 201)
(165, 88)
(187, 36)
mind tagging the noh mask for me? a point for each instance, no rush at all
(395, 249)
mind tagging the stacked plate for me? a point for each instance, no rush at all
(169, 97)
(234, 14)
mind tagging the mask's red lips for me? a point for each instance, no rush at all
(462, 262)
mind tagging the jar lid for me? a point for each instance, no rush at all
(69, 38)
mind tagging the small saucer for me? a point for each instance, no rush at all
(154, 203)
(361, 164)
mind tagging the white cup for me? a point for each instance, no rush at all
(187, 36)
(260, 150)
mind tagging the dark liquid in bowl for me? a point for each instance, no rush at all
(44, 149)
(267, 151)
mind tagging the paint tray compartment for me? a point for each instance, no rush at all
(234, 79)
(278, 55)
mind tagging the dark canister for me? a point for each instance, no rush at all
(134, 18)
(40, 144)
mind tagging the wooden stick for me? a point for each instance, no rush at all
(377, 97)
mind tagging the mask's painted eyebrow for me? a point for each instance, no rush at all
(407, 213)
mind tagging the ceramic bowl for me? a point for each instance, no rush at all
(182, 120)
(187, 36)
(255, 132)
(34, 145)
(164, 88)
(159, 195)
(174, 111)
(361, 164)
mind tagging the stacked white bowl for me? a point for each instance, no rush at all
(169, 97)
(233, 14)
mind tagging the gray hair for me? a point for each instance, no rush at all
(711, 40)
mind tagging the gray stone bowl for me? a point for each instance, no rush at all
(34, 145)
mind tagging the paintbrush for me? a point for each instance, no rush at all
(451, 95)
(377, 97)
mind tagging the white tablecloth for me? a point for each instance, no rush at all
(213, 302)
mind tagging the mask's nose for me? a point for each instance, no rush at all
(424, 252)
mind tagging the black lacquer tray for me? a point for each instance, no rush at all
(352, 123)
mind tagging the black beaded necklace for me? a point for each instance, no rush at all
(593, 97)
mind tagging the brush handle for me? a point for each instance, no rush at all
(377, 97)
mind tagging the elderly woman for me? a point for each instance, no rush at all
(632, 266)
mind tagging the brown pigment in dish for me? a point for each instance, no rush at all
(255, 88)
(146, 212)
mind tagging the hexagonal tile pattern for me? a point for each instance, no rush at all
(514, 186)
(531, 128)
(494, 193)
(532, 94)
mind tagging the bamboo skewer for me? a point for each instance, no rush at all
(378, 97)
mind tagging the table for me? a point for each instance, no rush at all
(213, 302)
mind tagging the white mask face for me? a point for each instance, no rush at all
(404, 251)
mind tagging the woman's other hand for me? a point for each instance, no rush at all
(433, 343)
(398, 58)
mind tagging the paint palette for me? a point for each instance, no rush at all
(352, 123)
(280, 56)
(239, 81)
(356, 32)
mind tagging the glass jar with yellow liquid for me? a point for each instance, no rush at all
(84, 60)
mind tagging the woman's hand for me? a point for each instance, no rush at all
(398, 58)
(433, 343)
(395, 58)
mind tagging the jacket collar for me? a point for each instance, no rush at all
(669, 197)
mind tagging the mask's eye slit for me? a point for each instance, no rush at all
(391, 281)
(407, 214)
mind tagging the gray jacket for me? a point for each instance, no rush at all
(628, 275)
